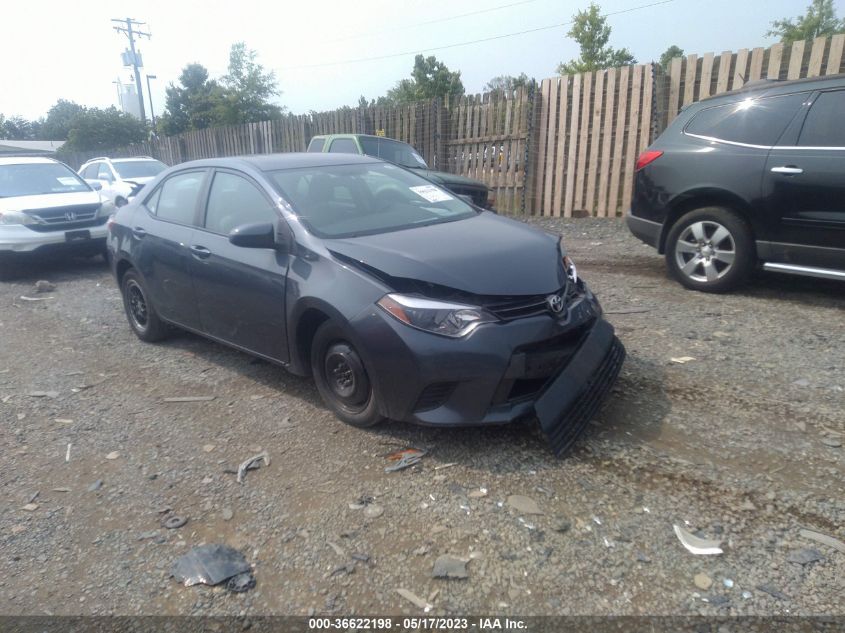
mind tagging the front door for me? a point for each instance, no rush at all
(804, 188)
(162, 230)
(240, 291)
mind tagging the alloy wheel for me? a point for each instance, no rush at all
(705, 251)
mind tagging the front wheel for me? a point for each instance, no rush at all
(140, 312)
(710, 249)
(341, 378)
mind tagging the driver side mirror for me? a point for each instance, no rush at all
(261, 235)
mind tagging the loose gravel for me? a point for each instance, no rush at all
(738, 440)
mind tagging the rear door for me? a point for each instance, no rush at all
(161, 237)
(804, 187)
(240, 291)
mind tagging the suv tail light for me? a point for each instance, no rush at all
(647, 157)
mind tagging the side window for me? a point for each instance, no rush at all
(104, 173)
(234, 201)
(316, 144)
(752, 121)
(343, 146)
(91, 171)
(176, 199)
(823, 125)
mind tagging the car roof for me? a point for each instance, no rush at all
(771, 87)
(134, 159)
(26, 160)
(355, 135)
(273, 162)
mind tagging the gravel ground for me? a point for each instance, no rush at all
(741, 444)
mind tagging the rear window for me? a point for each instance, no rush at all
(751, 121)
(139, 168)
(34, 179)
(823, 125)
(316, 144)
(344, 146)
(392, 151)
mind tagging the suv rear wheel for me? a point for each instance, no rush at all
(710, 249)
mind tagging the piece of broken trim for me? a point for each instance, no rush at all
(251, 464)
(695, 544)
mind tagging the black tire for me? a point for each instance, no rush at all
(342, 379)
(710, 249)
(140, 312)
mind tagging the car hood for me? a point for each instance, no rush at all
(48, 200)
(444, 178)
(482, 255)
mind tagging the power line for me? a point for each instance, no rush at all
(427, 22)
(469, 43)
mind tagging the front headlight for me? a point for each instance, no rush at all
(16, 218)
(568, 264)
(438, 317)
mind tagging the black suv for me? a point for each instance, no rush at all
(752, 176)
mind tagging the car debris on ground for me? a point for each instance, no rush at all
(404, 459)
(697, 545)
(252, 464)
(210, 565)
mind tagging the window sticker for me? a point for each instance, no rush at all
(67, 181)
(431, 193)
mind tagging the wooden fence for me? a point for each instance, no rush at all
(564, 147)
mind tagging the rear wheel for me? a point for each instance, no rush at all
(342, 379)
(710, 249)
(140, 312)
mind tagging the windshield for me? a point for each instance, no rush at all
(35, 179)
(139, 168)
(392, 151)
(350, 200)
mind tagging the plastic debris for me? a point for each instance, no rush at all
(251, 464)
(67, 453)
(442, 466)
(190, 399)
(25, 298)
(209, 565)
(42, 285)
(30, 507)
(415, 599)
(824, 539)
(523, 504)
(772, 591)
(174, 522)
(696, 545)
(113, 455)
(447, 566)
(681, 360)
(241, 582)
(404, 459)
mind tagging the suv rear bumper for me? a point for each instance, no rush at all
(645, 230)
(21, 240)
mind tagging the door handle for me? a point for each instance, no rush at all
(200, 252)
(139, 232)
(790, 170)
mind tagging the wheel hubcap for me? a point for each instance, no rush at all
(345, 375)
(137, 305)
(705, 251)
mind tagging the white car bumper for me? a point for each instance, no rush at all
(20, 239)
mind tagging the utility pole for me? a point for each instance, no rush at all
(150, 95)
(126, 28)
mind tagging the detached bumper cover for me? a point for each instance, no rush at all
(573, 397)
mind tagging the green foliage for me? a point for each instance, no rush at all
(17, 128)
(430, 79)
(669, 54)
(242, 95)
(96, 129)
(507, 83)
(592, 33)
(60, 118)
(819, 20)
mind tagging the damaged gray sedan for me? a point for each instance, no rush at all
(402, 300)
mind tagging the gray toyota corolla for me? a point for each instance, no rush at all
(402, 300)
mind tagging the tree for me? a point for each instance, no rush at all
(592, 33)
(507, 83)
(98, 129)
(430, 79)
(819, 20)
(17, 128)
(249, 88)
(669, 54)
(60, 120)
(195, 104)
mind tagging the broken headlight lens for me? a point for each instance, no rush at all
(16, 218)
(568, 264)
(438, 317)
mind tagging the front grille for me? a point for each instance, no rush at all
(573, 422)
(434, 396)
(67, 226)
(69, 217)
(519, 307)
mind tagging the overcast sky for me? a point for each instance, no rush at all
(67, 49)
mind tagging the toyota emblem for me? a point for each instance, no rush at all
(555, 303)
(70, 216)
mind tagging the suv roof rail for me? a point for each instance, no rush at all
(97, 158)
